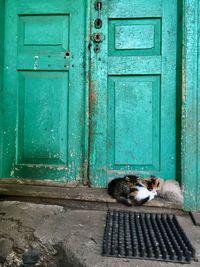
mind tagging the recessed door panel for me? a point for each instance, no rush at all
(132, 99)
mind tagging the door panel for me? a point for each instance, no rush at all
(39, 141)
(124, 131)
(43, 92)
(133, 115)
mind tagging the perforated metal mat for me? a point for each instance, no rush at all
(146, 236)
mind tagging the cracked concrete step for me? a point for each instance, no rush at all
(78, 233)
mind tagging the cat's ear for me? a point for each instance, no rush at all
(158, 182)
(127, 179)
(148, 183)
(155, 179)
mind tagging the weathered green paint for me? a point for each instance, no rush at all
(98, 103)
(96, 96)
(1, 78)
(179, 91)
(133, 119)
(198, 120)
(86, 93)
(191, 107)
(44, 89)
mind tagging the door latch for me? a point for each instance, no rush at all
(97, 37)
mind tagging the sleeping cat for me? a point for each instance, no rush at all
(132, 190)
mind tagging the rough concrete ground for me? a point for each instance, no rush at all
(56, 236)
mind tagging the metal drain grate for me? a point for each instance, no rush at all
(146, 236)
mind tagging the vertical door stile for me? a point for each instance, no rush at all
(2, 11)
(191, 112)
(87, 66)
(168, 96)
(98, 101)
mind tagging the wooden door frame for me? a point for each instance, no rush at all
(190, 106)
(190, 130)
(1, 78)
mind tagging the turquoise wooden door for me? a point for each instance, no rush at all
(43, 89)
(133, 89)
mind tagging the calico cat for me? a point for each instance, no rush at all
(132, 190)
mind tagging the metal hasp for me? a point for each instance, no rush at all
(98, 5)
(98, 22)
(98, 37)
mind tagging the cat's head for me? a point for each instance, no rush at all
(152, 183)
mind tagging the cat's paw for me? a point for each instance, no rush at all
(152, 195)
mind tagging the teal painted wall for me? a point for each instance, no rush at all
(1, 74)
(191, 109)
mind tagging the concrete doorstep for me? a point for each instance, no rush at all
(56, 236)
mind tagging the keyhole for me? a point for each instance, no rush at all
(97, 37)
(67, 54)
